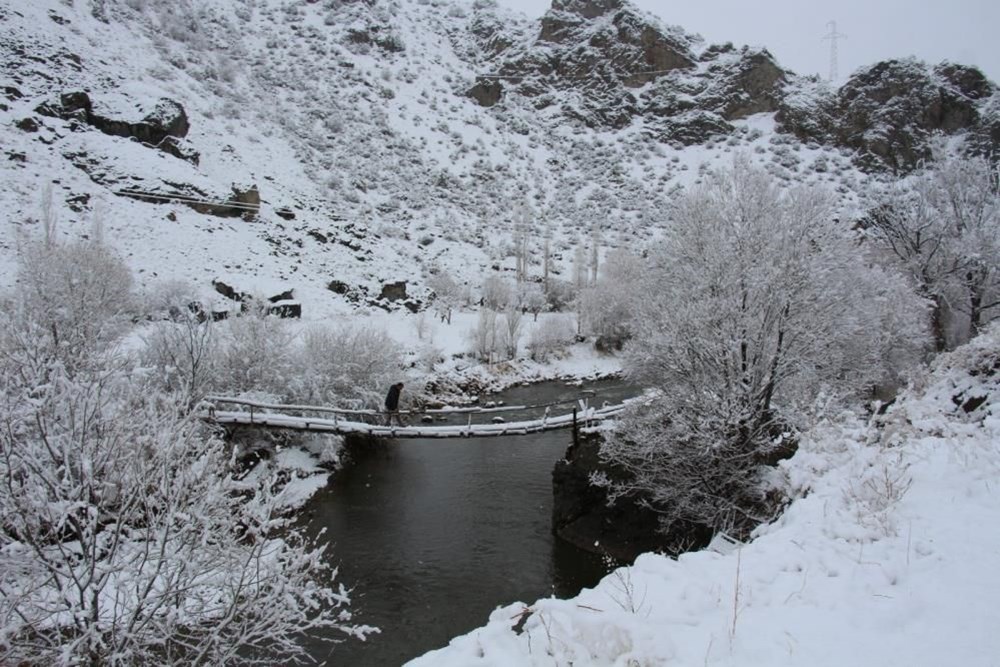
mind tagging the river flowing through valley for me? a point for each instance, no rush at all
(432, 535)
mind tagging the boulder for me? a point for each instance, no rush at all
(287, 295)
(394, 291)
(181, 149)
(338, 287)
(285, 309)
(28, 124)
(167, 119)
(229, 292)
(486, 92)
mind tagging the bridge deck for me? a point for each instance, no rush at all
(347, 426)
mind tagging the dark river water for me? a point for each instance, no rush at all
(434, 534)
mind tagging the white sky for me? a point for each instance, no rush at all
(965, 31)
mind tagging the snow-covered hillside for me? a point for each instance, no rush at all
(364, 129)
(886, 556)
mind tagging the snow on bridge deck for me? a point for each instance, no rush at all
(346, 422)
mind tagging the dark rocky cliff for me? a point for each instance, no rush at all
(605, 64)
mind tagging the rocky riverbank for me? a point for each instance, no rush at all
(582, 516)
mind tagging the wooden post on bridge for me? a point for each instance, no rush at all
(576, 433)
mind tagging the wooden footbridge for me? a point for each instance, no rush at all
(573, 414)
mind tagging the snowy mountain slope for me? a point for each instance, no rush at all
(361, 120)
(886, 556)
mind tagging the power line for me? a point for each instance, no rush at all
(833, 37)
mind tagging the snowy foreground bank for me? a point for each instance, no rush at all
(888, 555)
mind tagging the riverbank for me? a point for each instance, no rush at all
(883, 557)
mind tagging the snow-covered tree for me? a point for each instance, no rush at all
(756, 302)
(497, 292)
(552, 334)
(521, 239)
(125, 537)
(510, 333)
(943, 227)
(608, 308)
(255, 354)
(183, 355)
(531, 297)
(447, 294)
(77, 296)
(485, 336)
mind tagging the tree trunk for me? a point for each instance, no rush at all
(937, 324)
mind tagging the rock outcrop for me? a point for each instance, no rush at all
(606, 65)
(163, 127)
(891, 112)
(611, 64)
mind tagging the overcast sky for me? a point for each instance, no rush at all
(966, 31)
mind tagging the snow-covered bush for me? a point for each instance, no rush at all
(497, 293)
(255, 354)
(183, 356)
(346, 364)
(756, 302)
(607, 308)
(485, 337)
(553, 334)
(75, 296)
(124, 537)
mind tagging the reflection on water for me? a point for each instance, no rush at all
(434, 534)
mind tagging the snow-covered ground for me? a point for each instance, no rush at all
(887, 555)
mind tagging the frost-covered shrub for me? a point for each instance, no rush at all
(346, 365)
(550, 336)
(182, 356)
(255, 355)
(77, 296)
(125, 538)
(485, 337)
